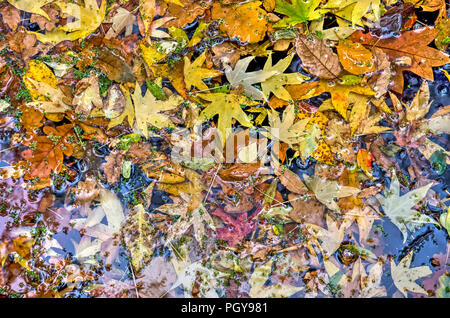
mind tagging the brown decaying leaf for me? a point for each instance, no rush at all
(306, 210)
(379, 81)
(11, 16)
(113, 166)
(317, 57)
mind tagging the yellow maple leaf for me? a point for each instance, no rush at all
(194, 73)
(276, 82)
(82, 22)
(284, 129)
(339, 94)
(227, 106)
(148, 110)
(33, 6)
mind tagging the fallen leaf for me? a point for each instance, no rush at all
(405, 277)
(276, 82)
(354, 57)
(330, 238)
(326, 191)
(194, 73)
(285, 130)
(148, 110)
(297, 11)
(228, 107)
(246, 21)
(317, 57)
(399, 209)
(238, 76)
(412, 44)
(139, 236)
(31, 6)
(258, 288)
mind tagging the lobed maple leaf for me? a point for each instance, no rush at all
(236, 228)
(238, 76)
(189, 272)
(285, 130)
(361, 122)
(47, 153)
(276, 82)
(364, 217)
(147, 110)
(353, 9)
(228, 107)
(298, 11)
(412, 44)
(191, 213)
(194, 73)
(330, 238)
(404, 276)
(326, 191)
(339, 94)
(31, 6)
(259, 289)
(123, 19)
(85, 20)
(399, 209)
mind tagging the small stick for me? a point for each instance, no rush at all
(212, 182)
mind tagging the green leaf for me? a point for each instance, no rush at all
(126, 141)
(298, 12)
(156, 90)
(438, 159)
(126, 169)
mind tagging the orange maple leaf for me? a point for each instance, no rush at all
(412, 44)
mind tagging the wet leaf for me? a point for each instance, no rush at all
(355, 58)
(228, 107)
(327, 191)
(276, 82)
(31, 6)
(148, 110)
(246, 22)
(405, 277)
(238, 76)
(284, 129)
(258, 279)
(399, 209)
(413, 44)
(139, 236)
(298, 11)
(194, 73)
(88, 18)
(318, 58)
(331, 238)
